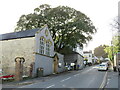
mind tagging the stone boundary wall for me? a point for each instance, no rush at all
(11, 49)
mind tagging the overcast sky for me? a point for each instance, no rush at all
(101, 12)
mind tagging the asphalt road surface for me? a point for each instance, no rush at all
(89, 77)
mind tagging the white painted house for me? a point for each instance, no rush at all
(88, 55)
(79, 49)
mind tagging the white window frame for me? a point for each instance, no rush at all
(48, 48)
(42, 45)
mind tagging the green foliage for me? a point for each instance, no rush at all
(85, 59)
(111, 50)
(68, 26)
(116, 43)
(99, 51)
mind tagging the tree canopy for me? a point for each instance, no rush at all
(99, 51)
(68, 26)
(114, 48)
(116, 24)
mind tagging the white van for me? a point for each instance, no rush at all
(103, 66)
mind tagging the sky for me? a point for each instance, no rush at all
(101, 13)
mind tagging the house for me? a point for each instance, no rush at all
(79, 49)
(95, 59)
(36, 46)
(88, 56)
(74, 59)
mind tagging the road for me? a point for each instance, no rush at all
(89, 77)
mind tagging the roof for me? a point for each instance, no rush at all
(69, 57)
(73, 52)
(87, 51)
(21, 34)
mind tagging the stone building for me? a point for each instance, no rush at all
(75, 60)
(36, 46)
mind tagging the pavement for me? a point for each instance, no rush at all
(113, 80)
(16, 84)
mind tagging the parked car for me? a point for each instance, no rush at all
(103, 66)
(68, 67)
(89, 64)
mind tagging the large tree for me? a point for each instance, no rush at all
(99, 51)
(116, 28)
(68, 26)
(116, 24)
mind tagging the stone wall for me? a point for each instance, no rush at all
(70, 58)
(80, 61)
(44, 62)
(11, 49)
(61, 61)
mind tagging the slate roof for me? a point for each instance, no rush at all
(21, 34)
(87, 52)
(73, 52)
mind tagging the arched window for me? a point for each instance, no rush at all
(48, 45)
(42, 45)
